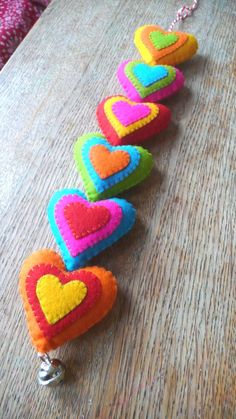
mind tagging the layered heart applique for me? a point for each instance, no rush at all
(145, 83)
(62, 305)
(83, 229)
(126, 122)
(157, 46)
(106, 170)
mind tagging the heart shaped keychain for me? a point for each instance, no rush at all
(106, 170)
(61, 305)
(62, 297)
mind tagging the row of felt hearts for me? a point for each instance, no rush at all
(111, 163)
(81, 229)
(61, 304)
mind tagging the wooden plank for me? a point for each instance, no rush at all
(167, 349)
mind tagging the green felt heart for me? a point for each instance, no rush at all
(140, 165)
(158, 85)
(163, 40)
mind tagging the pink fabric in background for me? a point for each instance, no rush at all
(16, 19)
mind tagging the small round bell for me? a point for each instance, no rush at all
(51, 371)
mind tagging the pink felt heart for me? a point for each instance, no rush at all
(128, 114)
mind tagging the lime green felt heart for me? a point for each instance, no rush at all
(118, 179)
(163, 40)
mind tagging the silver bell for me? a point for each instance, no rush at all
(51, 371)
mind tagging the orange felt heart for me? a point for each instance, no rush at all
(106, 162)
(86, 309)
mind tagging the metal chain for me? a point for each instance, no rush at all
(183, 13)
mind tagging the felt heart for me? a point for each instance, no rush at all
(157, 46)
(129, 113)
(125, 122)
(106, 162)
(62, 305)
(53, 295)
(106, 170)
(85, 220)
(116, 218)
(143, 82)
(162, 40)
(58, 298)
(148, 75)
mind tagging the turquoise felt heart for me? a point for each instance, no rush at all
(148, 75)
(106, 170)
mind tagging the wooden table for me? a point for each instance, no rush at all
(167, 349)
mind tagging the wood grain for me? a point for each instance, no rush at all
(167, 350)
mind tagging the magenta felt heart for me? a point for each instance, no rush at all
(149, 83)
(128, 114)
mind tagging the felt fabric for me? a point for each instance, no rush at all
(129, 114)
(57, 299)
(145, 83)
(80, 243)
(157, 46)
(57, 307)
(106, 170)
(126, 122)
(107, 162)
(84, 220)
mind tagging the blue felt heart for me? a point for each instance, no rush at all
(148, 75)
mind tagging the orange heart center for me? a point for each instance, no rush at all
(106, 162)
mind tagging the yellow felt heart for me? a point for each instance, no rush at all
(158, 46)
(57, 299)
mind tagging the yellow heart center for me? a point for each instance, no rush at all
(57, 300)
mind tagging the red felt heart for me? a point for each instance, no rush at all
(84, 220)
(126, 122)
(91, 282)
